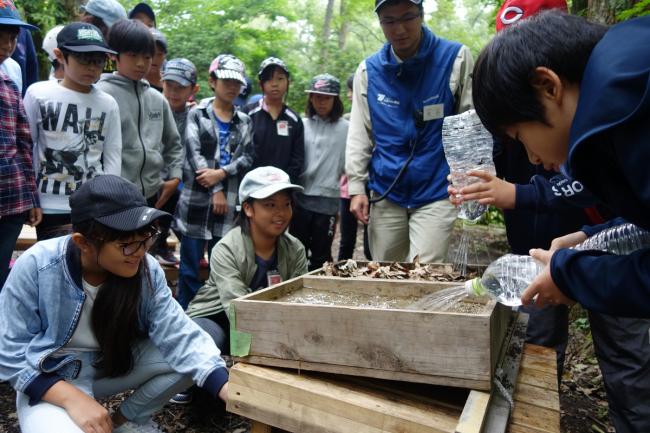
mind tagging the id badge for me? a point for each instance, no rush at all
(433, 112)
(283, 128)
(273, 278)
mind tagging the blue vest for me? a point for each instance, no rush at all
(397, 91)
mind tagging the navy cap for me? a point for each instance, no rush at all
(143, 8)
(380, 3)
(159, 38)
(180, 70)
(114, 202)
(9, 16)
(82, 38)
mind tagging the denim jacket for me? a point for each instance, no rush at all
(40, 306)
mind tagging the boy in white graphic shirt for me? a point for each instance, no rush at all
(74, 125)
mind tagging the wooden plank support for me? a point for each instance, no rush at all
(471, 420)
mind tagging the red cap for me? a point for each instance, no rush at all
(515, 10)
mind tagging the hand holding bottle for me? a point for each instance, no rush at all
(543, 286)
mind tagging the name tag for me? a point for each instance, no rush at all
(433, 112)
(283, 128)
(273, 278)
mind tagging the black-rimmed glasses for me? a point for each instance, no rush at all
(130, 248)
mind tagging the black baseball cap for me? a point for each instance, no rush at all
(114, 202)
(82, 38)
(145, 9)
(380, 3)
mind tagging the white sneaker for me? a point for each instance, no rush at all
(131, 427)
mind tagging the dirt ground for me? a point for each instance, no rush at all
(582, 397)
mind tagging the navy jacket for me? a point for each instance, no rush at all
(609, 151)
(540, 216)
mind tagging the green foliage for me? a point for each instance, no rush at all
(639, 9)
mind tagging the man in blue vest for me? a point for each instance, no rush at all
(401, 94)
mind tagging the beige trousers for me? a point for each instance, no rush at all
(399, 234)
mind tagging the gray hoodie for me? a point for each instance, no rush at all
(150, 140)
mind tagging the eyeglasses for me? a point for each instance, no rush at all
(90, 59)
(406, 19)
(130, 248)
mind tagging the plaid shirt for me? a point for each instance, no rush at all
(194, 216)
(17, 181)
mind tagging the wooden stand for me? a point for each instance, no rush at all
(317, 403)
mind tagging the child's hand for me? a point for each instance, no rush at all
(209, 177)
(90, 416)
(491, 190)
(568, 241)
(166, 191)
(35, 216)
(219, 203)
(543, 286)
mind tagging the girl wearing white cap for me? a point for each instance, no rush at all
(256, 254)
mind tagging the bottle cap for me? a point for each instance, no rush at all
(474, 287)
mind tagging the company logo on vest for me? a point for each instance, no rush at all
(387, 100)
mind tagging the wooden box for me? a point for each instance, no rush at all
(441, 348)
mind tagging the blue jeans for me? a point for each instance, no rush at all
(10, 227)
(188, 274)
(154, 381)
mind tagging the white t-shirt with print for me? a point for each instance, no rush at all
(76, 136)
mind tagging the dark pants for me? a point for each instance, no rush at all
(10, 227)
(164, 224)
(316, 232)
(189, 283)
(622, 348)
(218, 327)
(348, 224)
(53, 226)
(549, 327)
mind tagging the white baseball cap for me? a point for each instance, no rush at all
(49, 42)
(263, 182)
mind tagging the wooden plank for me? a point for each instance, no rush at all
(258, 427)
(540, 351)
(366, 372)
(538, 378)
(535, 418)
(304, 403)
(473, 415)
(537, 396)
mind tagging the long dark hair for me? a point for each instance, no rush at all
(114, 316)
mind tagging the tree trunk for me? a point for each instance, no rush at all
(345, 25)
(327, 26)
(604, 11)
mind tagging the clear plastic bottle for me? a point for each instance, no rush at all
(507, 277)
(468, 146)
(622, 239)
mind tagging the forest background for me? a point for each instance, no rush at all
(312, 36)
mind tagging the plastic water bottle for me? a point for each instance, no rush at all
(622, 239)
(468, 146)
(506, 278)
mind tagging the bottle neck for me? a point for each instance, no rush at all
(475, 287)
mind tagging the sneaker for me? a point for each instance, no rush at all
(131, 427)
(184, 397)
(166, 257)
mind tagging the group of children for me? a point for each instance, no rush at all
(95, 162)
(99, 154)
